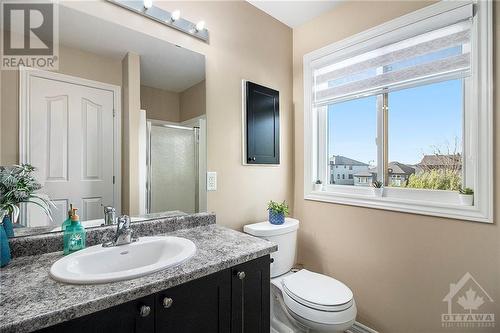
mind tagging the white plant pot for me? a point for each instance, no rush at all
(378, 191)
(466, 199)
(318, 187)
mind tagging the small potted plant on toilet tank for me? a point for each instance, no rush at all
(277, 212)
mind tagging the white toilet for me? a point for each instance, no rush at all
(302, 301)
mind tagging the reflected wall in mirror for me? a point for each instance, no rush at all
(120, 124)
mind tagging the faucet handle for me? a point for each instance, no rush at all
(124, 222)
(109, 209)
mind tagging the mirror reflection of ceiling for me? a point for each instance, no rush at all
(163, 65)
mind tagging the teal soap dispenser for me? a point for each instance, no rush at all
(74, 234)
(67, 222)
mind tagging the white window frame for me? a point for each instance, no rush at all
(478, 128)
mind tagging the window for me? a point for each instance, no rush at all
(404, 103)
(349, 141)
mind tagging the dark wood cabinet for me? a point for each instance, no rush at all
(250, 284)
(262, 125)
(235, 300)
(202, 305)
(124, 318)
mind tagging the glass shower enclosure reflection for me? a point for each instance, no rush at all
(172, 168)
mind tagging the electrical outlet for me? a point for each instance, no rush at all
(211, 181)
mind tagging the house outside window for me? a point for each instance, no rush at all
(423, 106)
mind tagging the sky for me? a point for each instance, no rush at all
(420, 119)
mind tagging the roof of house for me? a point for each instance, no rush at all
(363, 174)
(400, 168)
(342, 160)
(439, 160)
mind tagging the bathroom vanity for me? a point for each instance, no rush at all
(223, 287)
(232, 300)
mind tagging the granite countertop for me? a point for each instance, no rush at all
(30, 299)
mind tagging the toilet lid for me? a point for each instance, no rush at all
(317, 290)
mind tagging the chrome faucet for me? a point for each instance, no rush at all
(109, 215)
(123, 233)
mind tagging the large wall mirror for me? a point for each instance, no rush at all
(121, 123)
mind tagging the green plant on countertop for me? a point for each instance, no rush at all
(466, 191)
(279, 208)
(319, 182)
(18, 185)
(377, 184)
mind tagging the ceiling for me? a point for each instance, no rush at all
(294, 13)
(163, 65)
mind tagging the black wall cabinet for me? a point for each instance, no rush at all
(234, 300)
(262, 125)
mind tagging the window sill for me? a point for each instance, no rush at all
(424, 202)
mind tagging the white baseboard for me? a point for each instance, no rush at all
(360, 328)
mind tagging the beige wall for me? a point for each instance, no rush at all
(399, 266)
(71, 62)
(192, 101)
(261, 52)
(160, 104)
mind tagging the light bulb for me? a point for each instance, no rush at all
(176, 14)
(200, 26)
(148, 4)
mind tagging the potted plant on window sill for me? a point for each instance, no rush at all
(277, 212)
(378, 188)
(318, 185)
(466, 196)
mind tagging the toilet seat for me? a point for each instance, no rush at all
(317, 291)
(317, 299)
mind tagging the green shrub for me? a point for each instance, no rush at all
(436, 180)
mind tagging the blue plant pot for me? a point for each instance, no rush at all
(4, 247)
(7, 225)
(276, 218)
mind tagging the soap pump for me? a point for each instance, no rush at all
(67, 222)
(74, 234)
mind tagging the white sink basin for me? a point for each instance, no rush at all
(97, 264)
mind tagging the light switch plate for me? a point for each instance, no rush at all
(211, 181)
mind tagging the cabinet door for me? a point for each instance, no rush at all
(124, 318)
(250, 283)
(202, 305)
(263, 125)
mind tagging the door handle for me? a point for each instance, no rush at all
(241, 275)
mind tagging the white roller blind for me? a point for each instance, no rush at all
(440, 53)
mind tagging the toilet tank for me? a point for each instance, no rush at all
(284, 235)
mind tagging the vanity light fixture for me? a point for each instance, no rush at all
(176, 14)
(170, 19)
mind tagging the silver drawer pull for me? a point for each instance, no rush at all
(167, 302)
(144, 311)
(241, 275)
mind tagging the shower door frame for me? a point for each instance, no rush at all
(196, 132)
